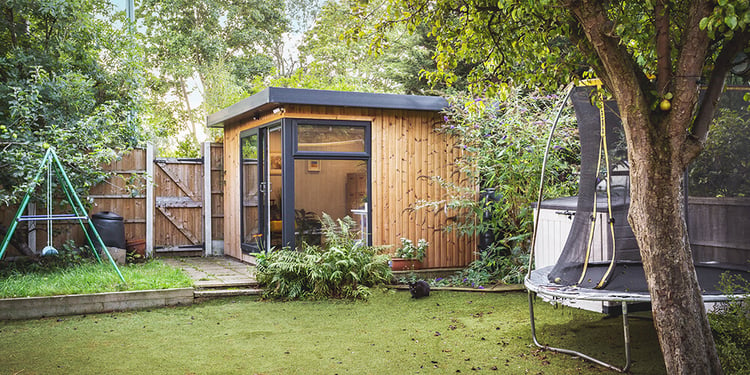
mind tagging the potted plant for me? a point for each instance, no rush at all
(408, 256)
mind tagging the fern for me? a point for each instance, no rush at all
(341, 268)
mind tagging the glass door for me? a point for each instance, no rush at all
(261, 173)
(273, 186)
(251, 172)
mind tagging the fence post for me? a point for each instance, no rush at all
(207, 235)
(150, 200)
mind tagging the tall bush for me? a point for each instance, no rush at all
(341, 268)
(503, 143)
(730, 325)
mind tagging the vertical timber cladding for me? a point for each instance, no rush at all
(232, 193)
(409, 153)
(406, 154)
(179, 203)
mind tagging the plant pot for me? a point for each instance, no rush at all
(137, 247)
(401, 264)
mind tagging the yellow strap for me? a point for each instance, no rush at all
(593, 223)
(602, 123)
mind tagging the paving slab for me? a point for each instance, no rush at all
(215, 272)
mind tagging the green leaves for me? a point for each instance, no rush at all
(726, 18)
(341, 268)
(72, 82)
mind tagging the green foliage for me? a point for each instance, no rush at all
(504, 143)
(71, 81)
(341, 268)
(408, 250)
(723, 167)
(494, 265)
(730, 324)
(212, 50)
(335, 55)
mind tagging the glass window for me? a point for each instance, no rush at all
(330, 138)
(332, 186)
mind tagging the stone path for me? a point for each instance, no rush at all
(215, 272)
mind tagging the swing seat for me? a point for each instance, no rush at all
(49, 250)
(51, 217)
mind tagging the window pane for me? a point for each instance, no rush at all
(250, 231)
(335, 187)
(331, 138)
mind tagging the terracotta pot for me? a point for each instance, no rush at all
(401, 264)
(137, 247)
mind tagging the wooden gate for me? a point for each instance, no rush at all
(179, 196)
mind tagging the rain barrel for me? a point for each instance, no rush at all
(111, 228)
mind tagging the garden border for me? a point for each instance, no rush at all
(39, 307)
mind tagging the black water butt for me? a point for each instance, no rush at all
(111, 228)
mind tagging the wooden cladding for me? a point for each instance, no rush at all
(406, 154)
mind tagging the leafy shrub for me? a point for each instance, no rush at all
(730, 324)
(722, 168)
(504, 143)
(341, 268)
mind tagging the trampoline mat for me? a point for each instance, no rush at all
(628, 282)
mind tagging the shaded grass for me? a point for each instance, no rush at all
(92, 278)
(448, 332)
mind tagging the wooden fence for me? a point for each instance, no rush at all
(168, 203)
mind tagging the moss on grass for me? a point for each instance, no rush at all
(446, 333)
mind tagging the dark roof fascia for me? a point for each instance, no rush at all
(281, 96)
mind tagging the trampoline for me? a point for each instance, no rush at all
(604, 187)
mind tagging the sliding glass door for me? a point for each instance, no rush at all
(261, 173)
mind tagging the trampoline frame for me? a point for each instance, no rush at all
(536, 282)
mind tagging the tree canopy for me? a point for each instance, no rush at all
(214, 49)
(664, 61)
(67, 69)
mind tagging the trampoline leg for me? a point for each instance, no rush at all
(626, 334)
(579, 354)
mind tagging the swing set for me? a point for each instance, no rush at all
(51, 164)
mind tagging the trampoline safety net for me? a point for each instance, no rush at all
(604, 198)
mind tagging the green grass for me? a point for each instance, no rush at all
(91, 278)
(446, 333)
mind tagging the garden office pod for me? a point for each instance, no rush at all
(292, 155)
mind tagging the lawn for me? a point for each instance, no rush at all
(448, 332)
(88, 278)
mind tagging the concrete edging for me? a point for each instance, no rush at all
(38, 307)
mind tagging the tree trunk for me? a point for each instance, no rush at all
(657, 217)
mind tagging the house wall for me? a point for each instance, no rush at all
(406, 153)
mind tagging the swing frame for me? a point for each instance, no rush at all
(51, 161)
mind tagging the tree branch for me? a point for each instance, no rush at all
(663, 48)
(617, 70)
(710, 100)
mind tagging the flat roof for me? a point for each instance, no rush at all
(279, 95)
